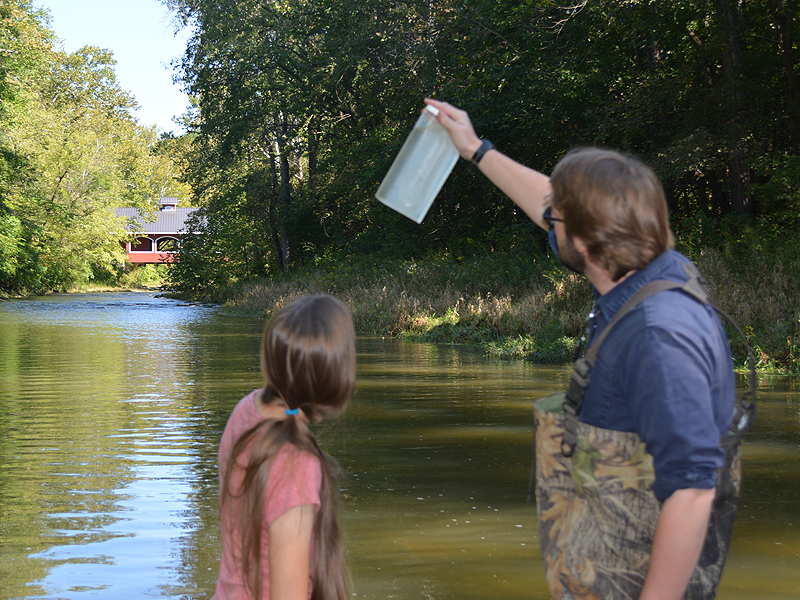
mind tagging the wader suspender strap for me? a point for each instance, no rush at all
(696, 287)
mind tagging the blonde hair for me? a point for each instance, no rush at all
(615, 204)
(308, 361)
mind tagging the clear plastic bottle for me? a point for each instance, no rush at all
(420, 169)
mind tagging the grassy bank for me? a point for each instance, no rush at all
(528, 307)
(135, 278)
(510, 307)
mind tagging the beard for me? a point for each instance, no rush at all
(570, 257)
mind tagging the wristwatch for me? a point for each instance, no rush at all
(485, 146)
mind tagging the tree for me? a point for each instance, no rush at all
(79, 140)
(83, 155)
(307, 103)
(24, 44)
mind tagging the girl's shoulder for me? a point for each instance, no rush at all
(243, 417)
(246, 410)
(295, 479)
(291, 458)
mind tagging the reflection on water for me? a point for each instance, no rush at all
(108, 417)
(111, 408)
(438, 457)
(765, 551)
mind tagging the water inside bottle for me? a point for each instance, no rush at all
(419, 171)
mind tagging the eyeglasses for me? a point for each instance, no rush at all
(548, 217)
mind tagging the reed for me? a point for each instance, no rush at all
(761, 292)
(524, 307)
(511, 308)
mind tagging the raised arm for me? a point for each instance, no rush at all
(528, 188)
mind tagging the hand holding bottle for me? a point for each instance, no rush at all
(527, 187)
(459, 126)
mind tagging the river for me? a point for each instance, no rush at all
(111, 409)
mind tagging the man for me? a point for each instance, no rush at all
(665, 371)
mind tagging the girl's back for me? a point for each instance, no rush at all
(294, 479)
(280, 537)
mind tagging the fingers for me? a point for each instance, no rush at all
(442, 106)
(435, 103)
(450, 112)
(458, 124)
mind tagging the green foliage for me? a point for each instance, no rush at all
(10, 245)
(304, 105)
(536, 314)
(509, 303)
(70, 152)
(552, 349)
(75, 141)
(219, 257)
(779, 195)
(144, 276)
(753, 272)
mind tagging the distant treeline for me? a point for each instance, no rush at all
(299, 108)
(70, 151)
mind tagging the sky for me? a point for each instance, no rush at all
(142, 37)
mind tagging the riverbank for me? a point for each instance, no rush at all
(513, 308)
(520, 307)
(92, 289)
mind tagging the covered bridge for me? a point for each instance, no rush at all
(156, 241)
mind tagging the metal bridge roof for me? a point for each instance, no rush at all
(167, 221)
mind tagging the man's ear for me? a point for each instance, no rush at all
(580, 245)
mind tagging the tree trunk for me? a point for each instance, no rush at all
(313, 150)
(285, 191)
(273, 213)
(739, 183)
(785, 22)
(728, 14)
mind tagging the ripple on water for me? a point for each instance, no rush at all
(111, 408)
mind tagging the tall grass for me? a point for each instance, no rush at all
(512, 307)
(761, 292)
(527, 307)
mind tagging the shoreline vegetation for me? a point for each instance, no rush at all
(509, 304)
(514, 306)
(138, 278)
(284, 180)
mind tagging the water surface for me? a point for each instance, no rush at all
(111, 409)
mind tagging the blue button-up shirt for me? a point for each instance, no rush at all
(664, 372)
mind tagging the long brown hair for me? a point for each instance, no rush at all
(308, 361)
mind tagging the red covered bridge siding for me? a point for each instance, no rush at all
(156, 241)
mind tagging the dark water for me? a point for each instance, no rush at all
(111, 408)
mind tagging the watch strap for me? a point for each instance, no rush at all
(485, 146)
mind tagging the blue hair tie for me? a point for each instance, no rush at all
(292, 411)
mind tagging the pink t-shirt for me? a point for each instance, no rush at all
(294, 479)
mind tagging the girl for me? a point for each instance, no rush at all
(280, 539)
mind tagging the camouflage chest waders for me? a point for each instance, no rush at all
(597, 511)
